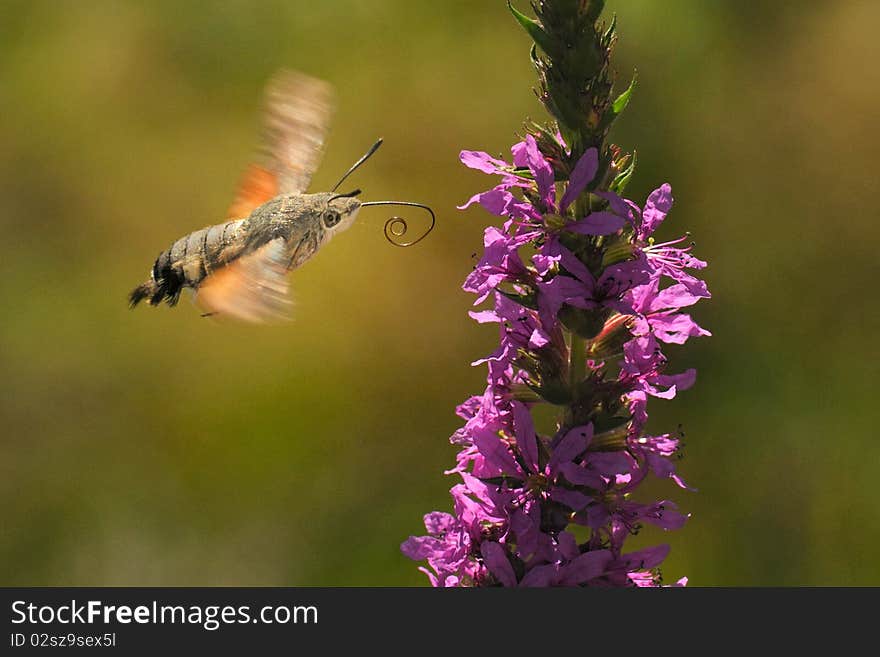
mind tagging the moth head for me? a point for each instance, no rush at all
(340, 211)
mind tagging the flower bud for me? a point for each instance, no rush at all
(618, 251)
(612, 440)
(586, 323)
(609, 343)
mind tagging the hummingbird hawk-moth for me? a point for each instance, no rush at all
(239, 268)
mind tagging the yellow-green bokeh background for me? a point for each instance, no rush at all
(157, 448)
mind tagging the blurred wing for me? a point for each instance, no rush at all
(296, 119)
(252, 288)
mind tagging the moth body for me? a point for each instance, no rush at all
(276, 238)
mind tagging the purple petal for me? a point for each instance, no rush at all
(492, 236)
(657, 206)
(676, 296)
(676, 329)
(642, 579)
(495, 201)
(497, 562)
(419, 548)
(582, 174)
(587, 566)
(669, 393)
(618, 278)
(502, 203)
(482, 284)
(642, 296)
(484, 316)
(597, 223)
(496, 453)
(571, 498)
(580, 476)
(641, 354)
(526, 439)
(669, 519)
(437, 522)
(562, 289)
(648, 558)
(572, 263)
(624, 208)
(543, 173)
(561, 141)
(544, 263)
(527, 528)
(572, 444)
(538, 339)
(609, 464)
(468, 408)
(483, 162)
(568, 547)
(541, 576)
(681, 381)
(518, 151)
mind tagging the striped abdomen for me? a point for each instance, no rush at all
(189, 260)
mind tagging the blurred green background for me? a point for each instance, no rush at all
(158, 448)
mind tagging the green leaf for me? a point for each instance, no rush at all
(524, 393)
(526, 300)
(622, 100)
(604, 422)
(554, 392)
(617, 106)
(610, 433)
(620, 181)
(609, 33)
(534, 29)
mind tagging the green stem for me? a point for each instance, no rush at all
(577, 361)
(577, 370)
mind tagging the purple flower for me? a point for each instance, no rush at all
(656, 311)
(501, 202)
(500, 263)
(583, 290)
(668, 258)
(446, 548)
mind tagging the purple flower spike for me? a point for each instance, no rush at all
(584, 303)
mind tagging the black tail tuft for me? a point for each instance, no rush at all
(155, 292)
(141, 292)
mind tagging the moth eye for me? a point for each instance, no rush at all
(331, 218)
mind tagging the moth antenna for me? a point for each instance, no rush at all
(396, 227)
(364, 158)
(351, 194)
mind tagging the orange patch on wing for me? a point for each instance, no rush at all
(252, 288)
(257, 186)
